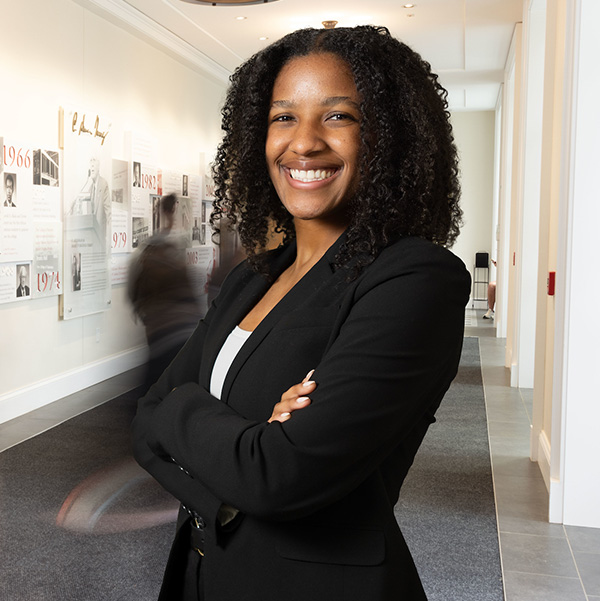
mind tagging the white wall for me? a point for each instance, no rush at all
(58, 53)
(474, 135)
(547, 374)
(578, 414)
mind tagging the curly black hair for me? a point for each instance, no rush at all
(408, 168)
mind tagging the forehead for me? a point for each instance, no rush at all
(324, 74)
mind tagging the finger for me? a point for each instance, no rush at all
(281, 417)
(291, 405)
(283, 410)
(298, 390)
(308, 376)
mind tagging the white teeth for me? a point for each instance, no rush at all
(311, 175)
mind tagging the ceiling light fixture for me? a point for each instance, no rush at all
(240, 18)
(227, 2)
(408, 6)
(329, 24)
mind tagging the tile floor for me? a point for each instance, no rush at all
(540, 561)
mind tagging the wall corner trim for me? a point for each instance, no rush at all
(543, 458)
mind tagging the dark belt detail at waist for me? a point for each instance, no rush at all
(197, 528)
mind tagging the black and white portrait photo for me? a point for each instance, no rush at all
(10, 189)
(23, 289)
(184, 186)
(137, 174)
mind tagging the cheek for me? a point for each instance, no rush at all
(273, 146)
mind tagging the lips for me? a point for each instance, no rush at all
(311, 175)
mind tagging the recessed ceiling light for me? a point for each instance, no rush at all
(241, 18)
(263, 38)
(408, 6)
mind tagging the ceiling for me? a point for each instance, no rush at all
(466, 41)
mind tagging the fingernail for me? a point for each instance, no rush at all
(309, 383)
(308, 375)
(302, 399)
(286, 414)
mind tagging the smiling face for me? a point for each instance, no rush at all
(313, 138)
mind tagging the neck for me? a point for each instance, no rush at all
(313, 239)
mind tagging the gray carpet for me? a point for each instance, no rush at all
(80, 522)
(80, 466)
(446, 508)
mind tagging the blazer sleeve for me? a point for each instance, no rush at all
(175, 479)
(392, 361)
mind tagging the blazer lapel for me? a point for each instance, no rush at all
(246, 294)
(320, 274)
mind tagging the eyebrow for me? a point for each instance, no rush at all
(331, 101)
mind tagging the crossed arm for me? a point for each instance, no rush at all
(389, 367)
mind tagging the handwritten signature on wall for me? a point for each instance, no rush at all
(94, 132)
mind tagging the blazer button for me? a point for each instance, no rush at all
(199, 522)
(181, 467)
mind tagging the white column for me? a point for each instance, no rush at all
(534, 28)
(575, 490)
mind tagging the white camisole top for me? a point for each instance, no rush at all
(231, 347)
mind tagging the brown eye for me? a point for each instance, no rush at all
(281, 119)
(341, 117)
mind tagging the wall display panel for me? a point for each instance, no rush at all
(47, 224)
(15, 282)
(191, 227)
(119, 264)
(144, 186)
(196, 189)
(17, 205)
(30, 222)
(121, 207)
(201, 262)
(209, 188)
(47, 275)
(87, 207)
(121, 221)
(188, 218)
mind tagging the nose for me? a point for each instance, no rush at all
(307, 138)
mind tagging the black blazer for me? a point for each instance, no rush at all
(316, 493)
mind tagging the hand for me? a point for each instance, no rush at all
(293, 399)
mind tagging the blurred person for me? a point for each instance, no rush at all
(161, 292)
(491, 298)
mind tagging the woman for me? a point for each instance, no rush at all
(340, 140)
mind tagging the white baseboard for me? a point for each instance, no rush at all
(22, 401)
